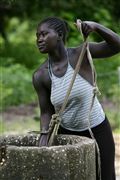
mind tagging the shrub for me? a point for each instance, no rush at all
(16, 86)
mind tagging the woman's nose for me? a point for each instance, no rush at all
(40, 38)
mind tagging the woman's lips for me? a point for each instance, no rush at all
(41, 46)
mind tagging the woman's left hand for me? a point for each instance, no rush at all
(86, 26)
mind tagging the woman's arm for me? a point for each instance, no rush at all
(46, 108)
(111, 44)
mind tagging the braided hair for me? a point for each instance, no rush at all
(59, 25)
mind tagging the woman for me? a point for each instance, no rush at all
(52, 79)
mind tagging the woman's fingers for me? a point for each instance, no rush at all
(43, 140)
(86, 29)
(85, 26)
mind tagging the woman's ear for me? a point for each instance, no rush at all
(60, 36)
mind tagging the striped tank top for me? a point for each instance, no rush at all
(75, 115)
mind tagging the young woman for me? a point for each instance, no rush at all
(52, 79)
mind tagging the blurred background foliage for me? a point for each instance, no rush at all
(19, 56)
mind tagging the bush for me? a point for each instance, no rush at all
(16, 86)
(23, 53)
(108, 80)
(21, 47)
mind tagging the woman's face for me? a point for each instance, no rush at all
(47, 38)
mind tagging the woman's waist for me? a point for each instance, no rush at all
(80, 120)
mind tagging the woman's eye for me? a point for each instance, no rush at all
(44, 34)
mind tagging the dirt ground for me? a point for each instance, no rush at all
(15, 112)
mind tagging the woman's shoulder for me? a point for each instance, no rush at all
(74, 53)
(41, 73)
(75, 50)
(41, 70)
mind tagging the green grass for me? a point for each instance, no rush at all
(19, 126)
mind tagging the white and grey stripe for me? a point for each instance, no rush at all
(75, 115)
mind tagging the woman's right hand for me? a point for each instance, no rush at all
(43, 141)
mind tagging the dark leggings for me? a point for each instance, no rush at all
(104, 138)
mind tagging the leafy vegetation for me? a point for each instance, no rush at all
(16, 85)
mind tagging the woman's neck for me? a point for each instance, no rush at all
(58, 55)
